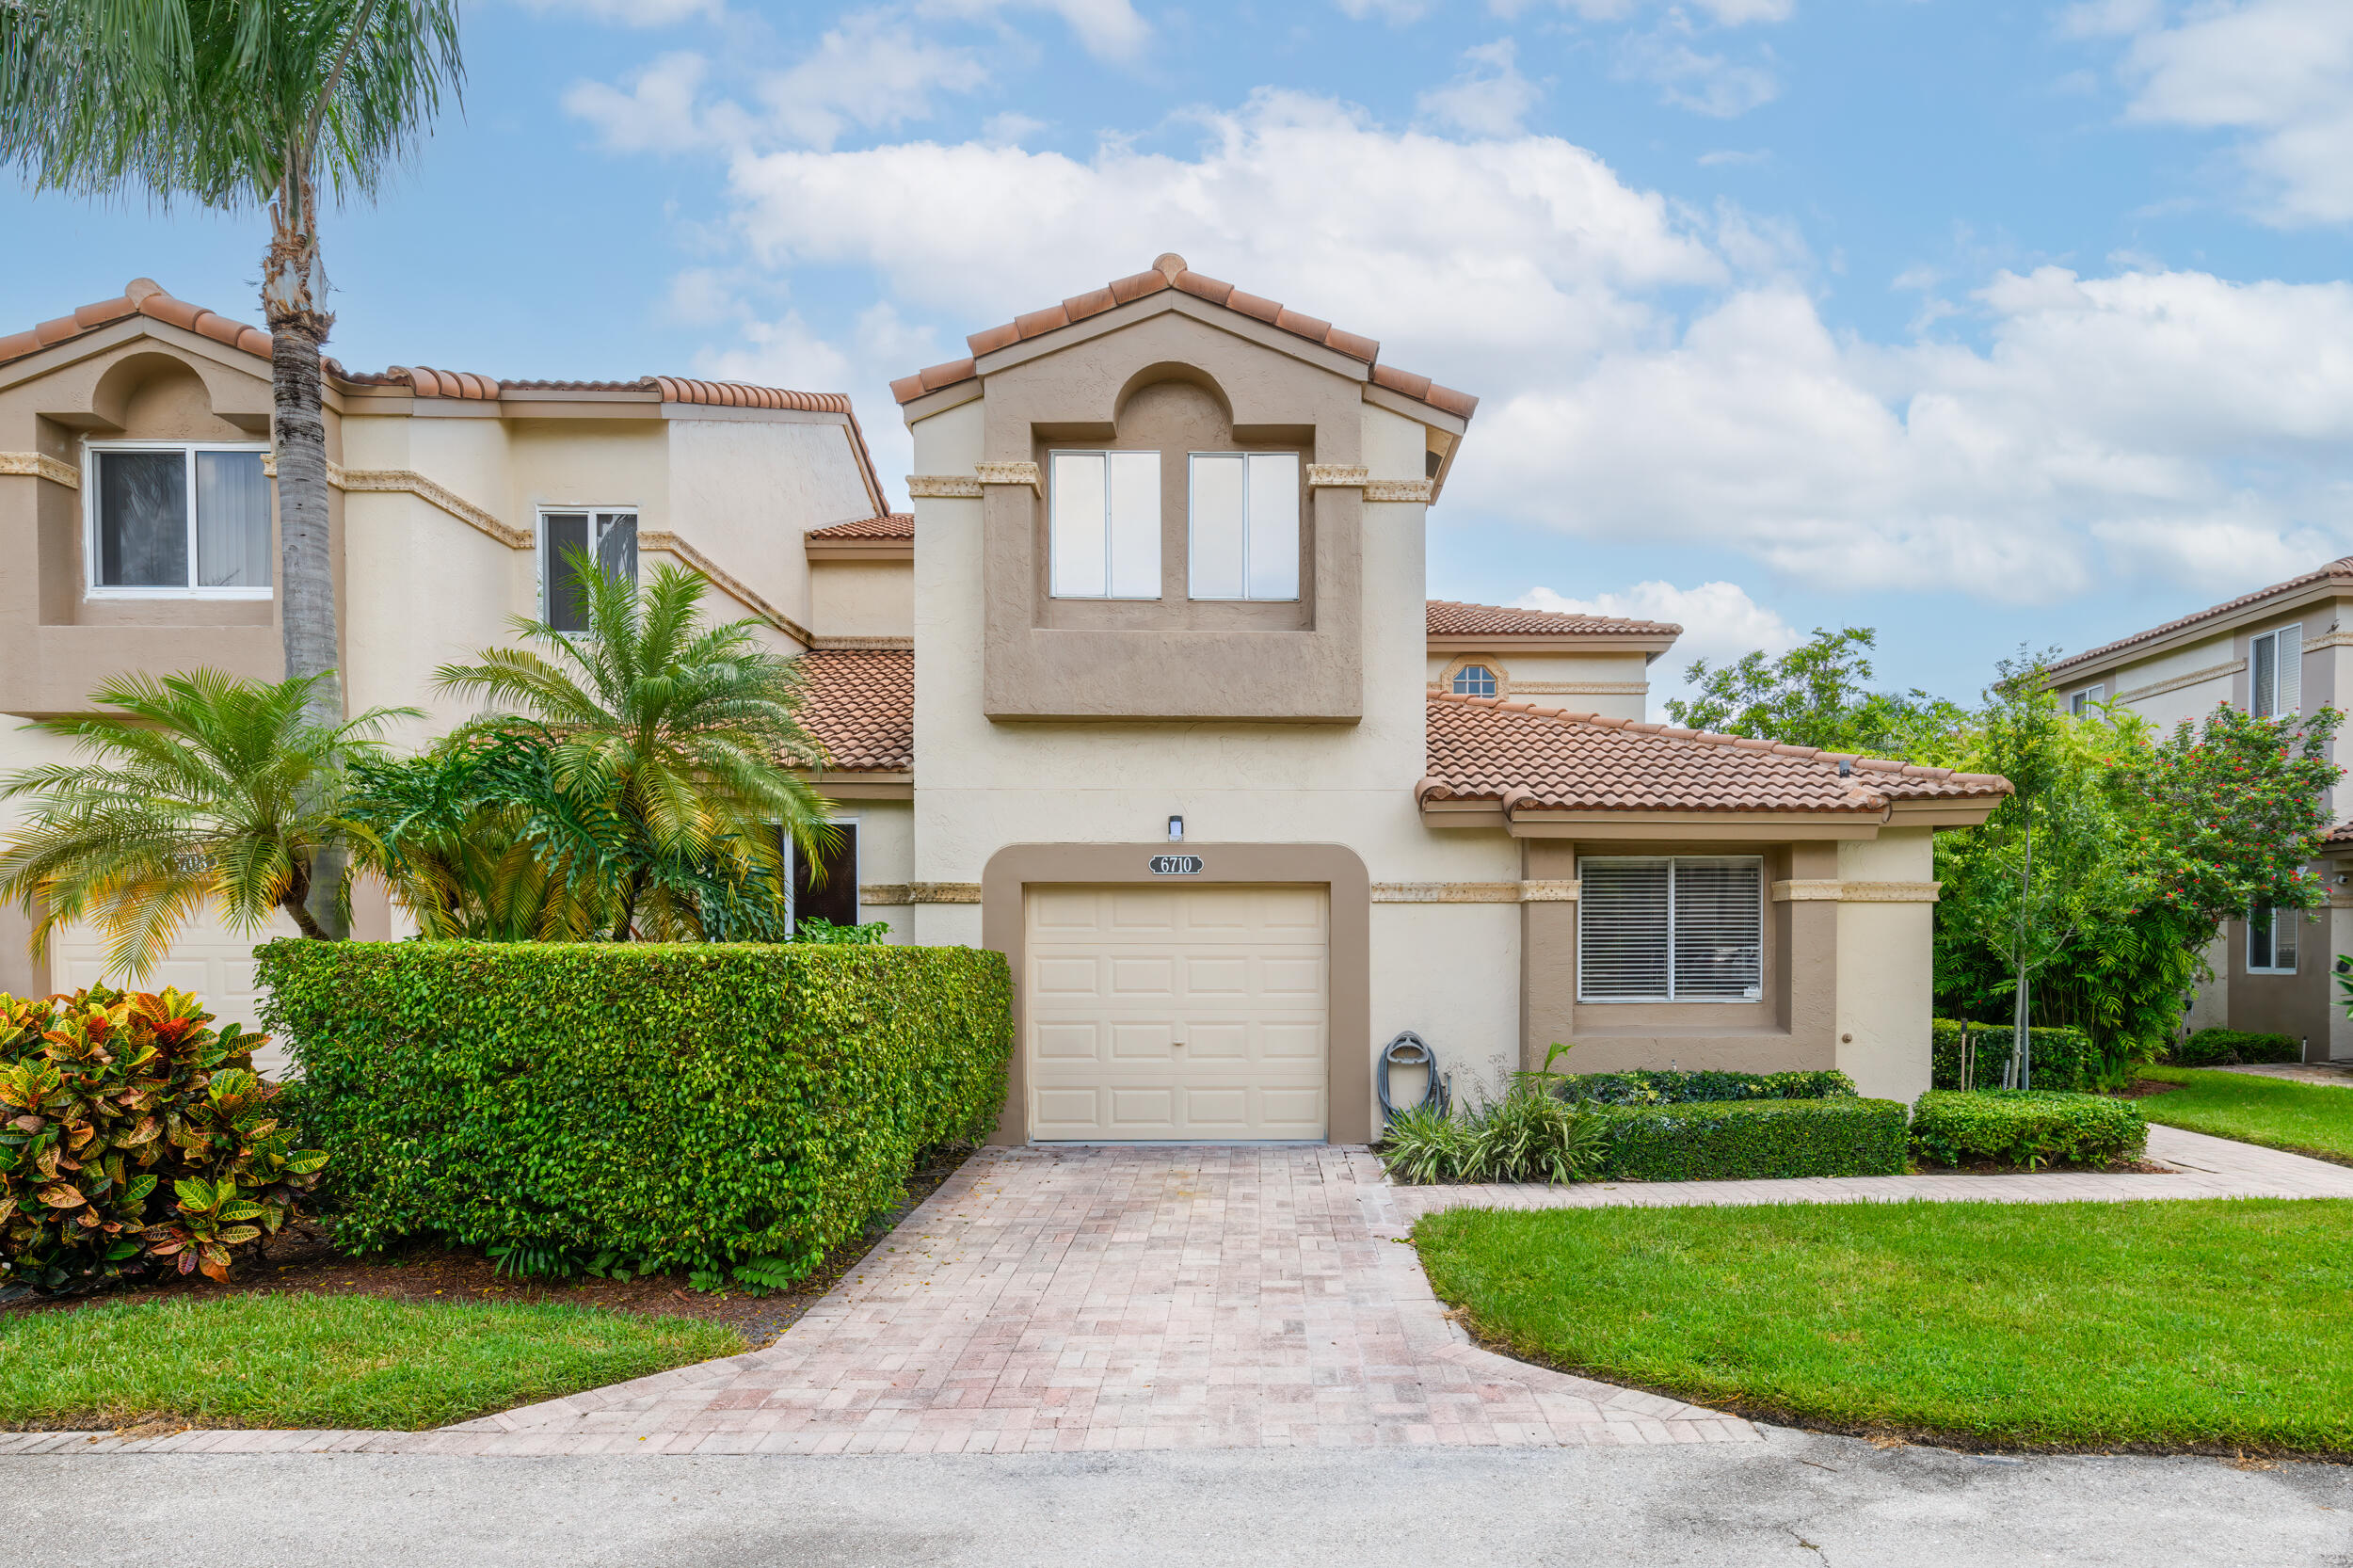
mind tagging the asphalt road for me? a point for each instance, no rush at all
(1801, 1500)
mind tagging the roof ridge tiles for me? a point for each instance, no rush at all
(1169, 271)
(2340, 567)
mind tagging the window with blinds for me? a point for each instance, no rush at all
(2275, 673)
(1671, 928)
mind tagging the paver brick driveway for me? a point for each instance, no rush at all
(1117, 1298)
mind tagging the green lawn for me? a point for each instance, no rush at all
(323, 1361)
(2309, 1118)
(2213, 1325)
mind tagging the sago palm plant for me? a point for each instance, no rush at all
(687, 730)
(197, 788)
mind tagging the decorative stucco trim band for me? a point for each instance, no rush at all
(40, 465)
(1334, 476)
(2192, 679)
(657, 538)
(1475, 892)
(401, 481)
(1834, 891)
(1422, 490)
(1010, 474)
(942, 486)
(884, 894)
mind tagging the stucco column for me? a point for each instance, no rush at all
(1885, 903)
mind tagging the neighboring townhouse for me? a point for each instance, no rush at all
(137, 529)
(1179, 732)
(2282, 650)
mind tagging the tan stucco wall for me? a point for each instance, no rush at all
(886, 852)
(1886, 979)
(746, 492)
(1577, 682)
(861, 598)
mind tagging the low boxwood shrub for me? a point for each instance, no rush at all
(2057, 1056)
(2231, 1048)
(1753, 1140)
(1644, 1086)
(728, 1111)
(2028, 1127)
(135, 1140)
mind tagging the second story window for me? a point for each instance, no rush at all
(179, 519)
(2275, 673)
(1245, 525)
(1103, 525)
(609, 537)
(1473, 680)
(2083, 702)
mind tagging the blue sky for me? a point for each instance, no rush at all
(1982, 324)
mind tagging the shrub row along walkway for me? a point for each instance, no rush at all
(1087, 1299)
(2200, 1167)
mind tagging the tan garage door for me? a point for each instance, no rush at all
(1174, 1011)
(207, 958)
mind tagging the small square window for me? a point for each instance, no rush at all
(1473, 680)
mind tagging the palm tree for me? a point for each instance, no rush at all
(688, 730)
(201, 789)
(240, 104)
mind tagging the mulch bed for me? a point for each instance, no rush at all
(301, 1259)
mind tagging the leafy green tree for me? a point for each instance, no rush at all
(201, 789)
(240, 105)
(685, 732)
(1818, 694)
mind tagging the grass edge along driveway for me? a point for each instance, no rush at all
(318, 1361)
(2278, 1112)
(2181, 1325)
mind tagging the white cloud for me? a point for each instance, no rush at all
(1107, 29)
(1388, 10)
(1725, 156)
(1690, 78)
(869, 71)
(2278, 72)
(1729, 13)
(630, 13)
(1010, 129)
(1489, 99)
(1719, 621)
(658, 114)
(1649, 371)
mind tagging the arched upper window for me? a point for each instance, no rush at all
(1474, 680)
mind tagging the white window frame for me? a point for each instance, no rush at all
(1755, 861)
(91, 588)
(791, 868)
(1299, 527)
(1495, 679)
(1159, 545)
(2279, 913)
(544, 557)
(2293, 687)
(2081, 703)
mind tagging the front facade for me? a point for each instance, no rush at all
(1145, 691)
(2278, 652)
(137, 533)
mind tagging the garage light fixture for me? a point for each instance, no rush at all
(1175, 830)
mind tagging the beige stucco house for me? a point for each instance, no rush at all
(2283, 650)
(1145, 692)
(137, 529)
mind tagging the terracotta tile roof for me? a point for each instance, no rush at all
(891, 525)
(861, 704)
(141, 297)
(1449, 618)
(1537, 759)
(2340, 834)
(144, 296)
(2338, 572)
(1170, 272)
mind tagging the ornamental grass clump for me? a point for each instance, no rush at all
(136, 1141)
(1527, 1135)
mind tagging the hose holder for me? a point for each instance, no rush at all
(1410, 1049)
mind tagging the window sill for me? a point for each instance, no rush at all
(247, 595)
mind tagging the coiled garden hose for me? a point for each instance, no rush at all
(1410, 1049)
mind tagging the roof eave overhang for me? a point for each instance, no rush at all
(68, 352)
(862, 784)
(1650, 645)
(1738, 827)
(2069, 672)
(858, 549)
(1970, 811)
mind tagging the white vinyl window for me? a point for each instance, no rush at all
(1244, 525)
(178, 520)
(2271, 939)
(2083, 702)
(1671, 928)
(1473, 680)
(1103, 525)
(608, 534)
(2275, 674)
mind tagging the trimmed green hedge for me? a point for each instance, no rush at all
(2057, 1056)
(694, 1107)
(1644, 1086)
(2025, 1126)
(1750, 1140)
(2229, 1048)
